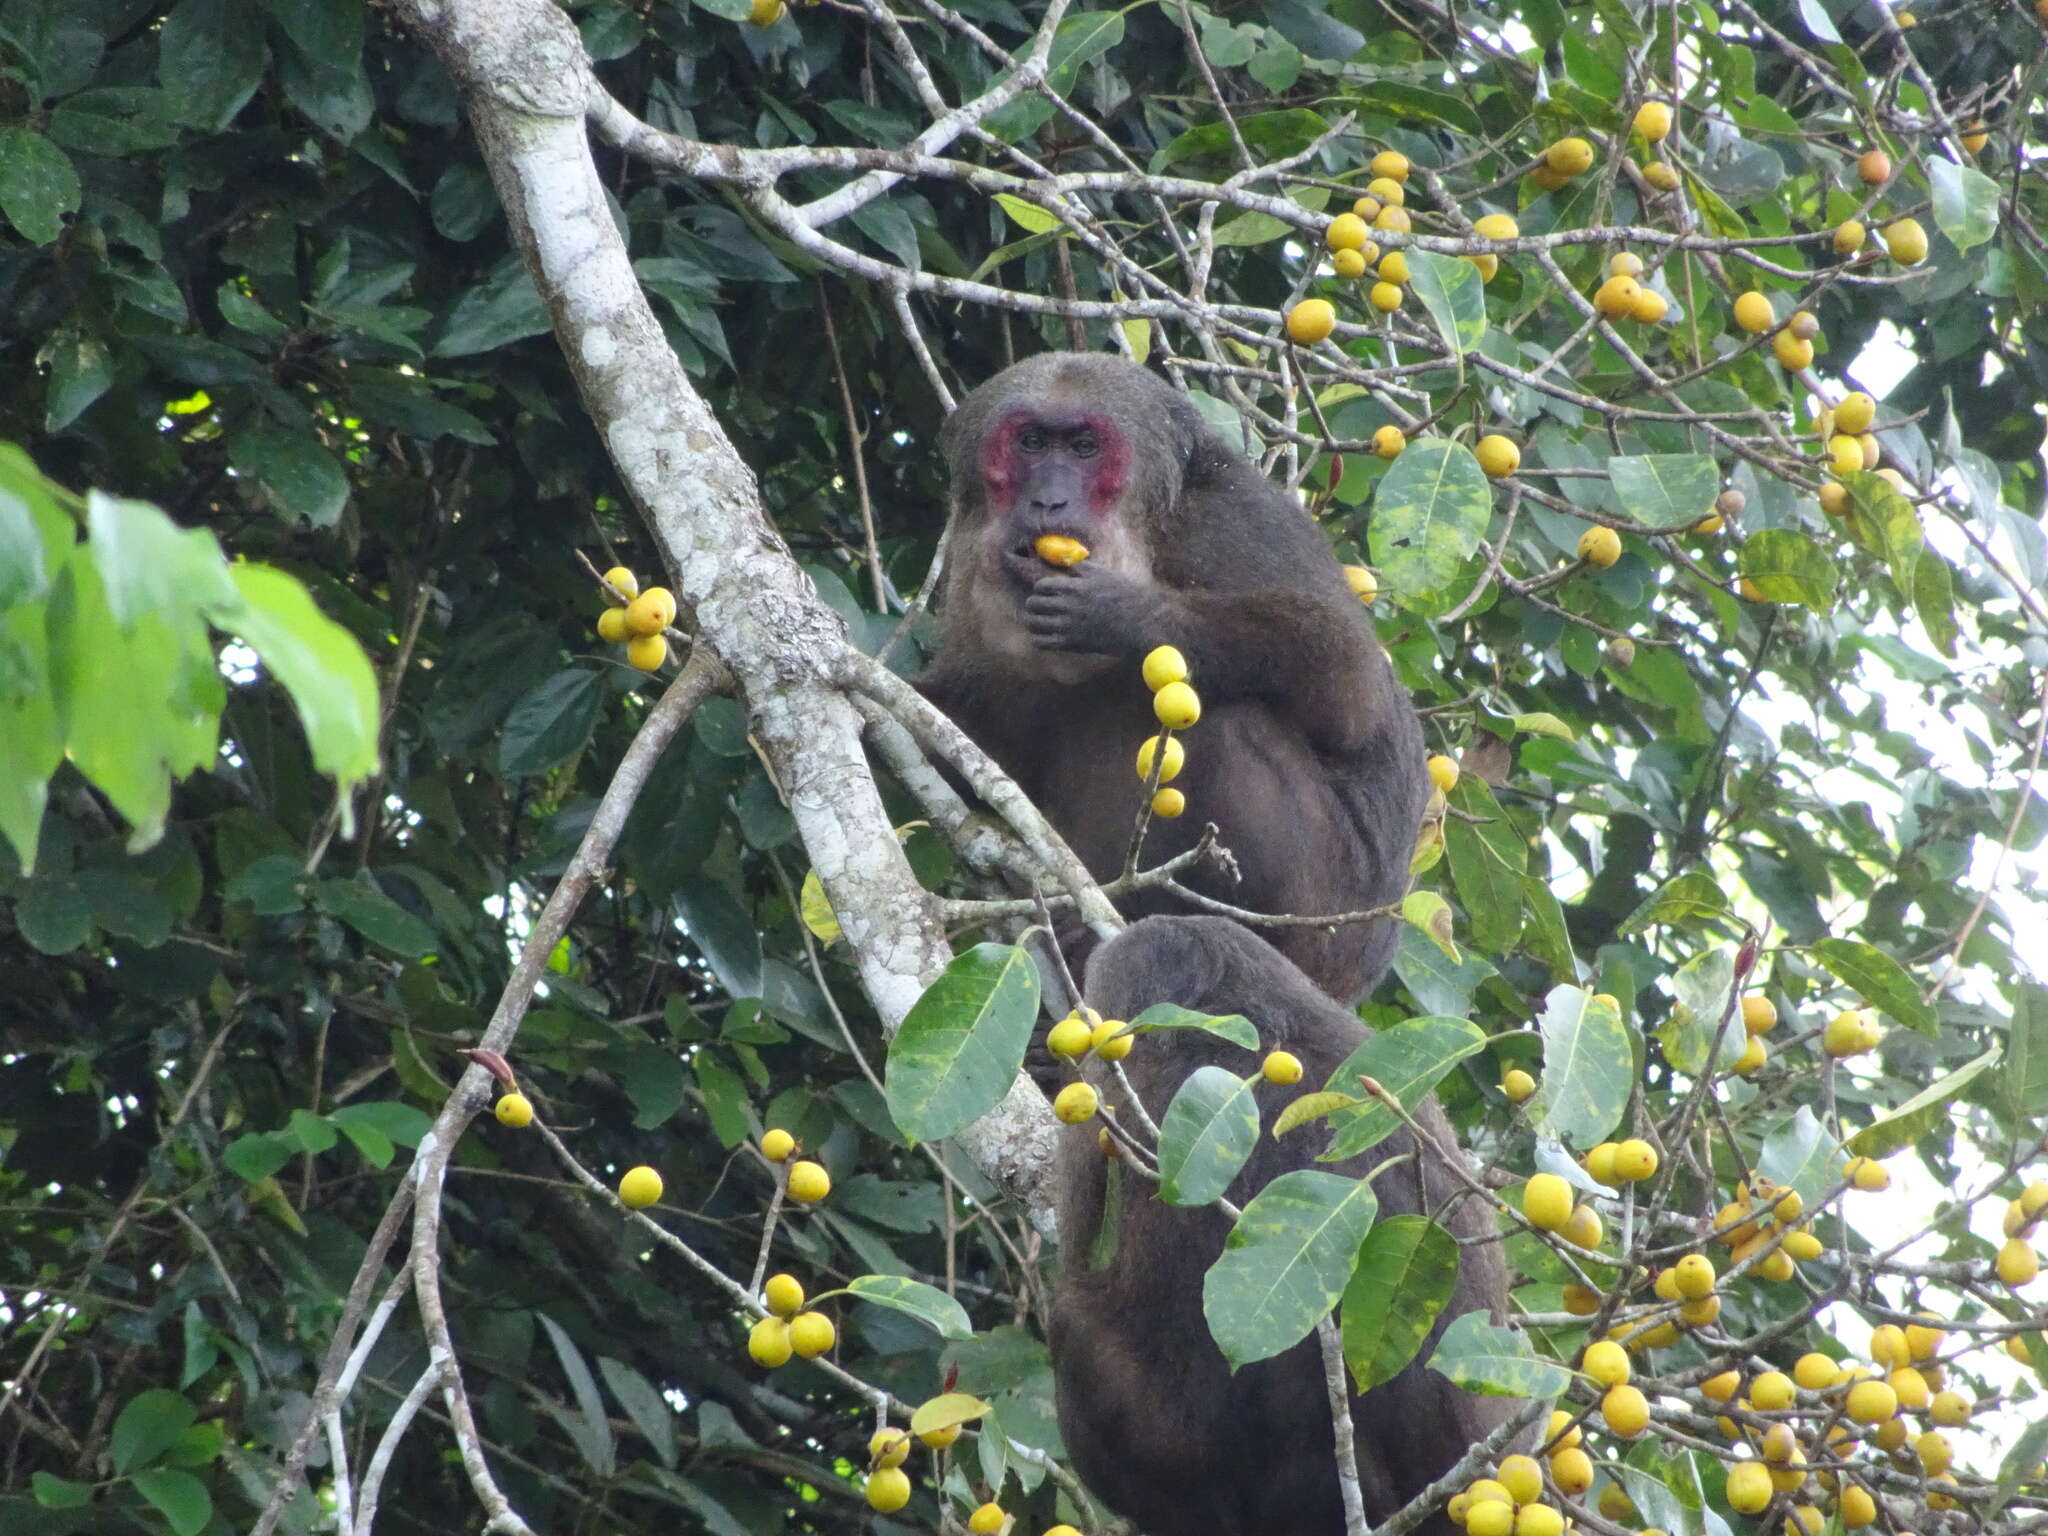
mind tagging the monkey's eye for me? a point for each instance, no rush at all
(1032, 439)
(1084, 445)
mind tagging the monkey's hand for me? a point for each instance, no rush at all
(1094, 610)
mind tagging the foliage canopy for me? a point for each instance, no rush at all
(254, 270)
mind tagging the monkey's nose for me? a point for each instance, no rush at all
(1047, 508)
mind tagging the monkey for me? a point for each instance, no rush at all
(1156, 1424)
(1308, 756)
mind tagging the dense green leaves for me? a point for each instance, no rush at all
(262, 298)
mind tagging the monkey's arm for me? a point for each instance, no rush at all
(1310, 656)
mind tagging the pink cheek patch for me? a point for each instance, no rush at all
(1114, 470)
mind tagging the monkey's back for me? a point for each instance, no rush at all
(1308, 833)
(1154, 1420)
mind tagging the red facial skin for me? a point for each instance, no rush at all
(1007, 470)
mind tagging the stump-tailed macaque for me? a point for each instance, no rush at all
(1157, 1425)
(1307, 757)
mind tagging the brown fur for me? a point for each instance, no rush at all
(1308, 756)
(1155, 1422)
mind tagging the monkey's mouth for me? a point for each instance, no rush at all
(1022, 563)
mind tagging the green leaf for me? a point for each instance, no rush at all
(1589, 1066)
(1454, 293)
(258, 1156)
(588, 1426)
(1818, 22)
(81, 370)
(1234, 1027)
(1286, 1263)
(1430, 915)
(1273, 134)
(1665, 490)
(1028, 216)
(725, 1099)
(179, 1497)
(401, 1123)
(1702, 1030)
(1407, 1270)
(945, 1411)
(140, 702)
(2023, 1460)
(1880, 980)
(929, 1305)
(152, 566)
(1543, 723)
(210, 59)
(1483, 1357)
(1309, 1107)
(505, 308)
(1802, 1154)
(1934, 601)
(1965, 202)
(303, 480)
(1693, 897)
(550, 724)
(1431, 509)
(1789, 567)
(1208, 1131)
(320, 664)
(646, 1407)
(377, 917)
(146, 1427)
(1408, 1061)
(1416, 104)
(38, 185)
(2023, 1085)
(1081, 37)
(54, 1492)
(31, 747)
(1488, 860)
(963, 1042)
(1922, 1112)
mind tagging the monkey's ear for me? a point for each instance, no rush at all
(1190, 433)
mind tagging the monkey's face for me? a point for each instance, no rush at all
(1054, 469)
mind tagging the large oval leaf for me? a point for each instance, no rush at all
(1285, 1263)
(1879, 979)
(1665, 490)
(1454, 293)
(1922, 1112)
(913, 1298)
(1702, 1030)
(1407, 1269)
(1205, 1136)
(1488, 860)
(1788, 567)
(1430, 511)
(1483, 1357)
(1408, 1061)
(1801, 1154)
(962, 1043)
(1589, 1065)
(1234, 1027)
